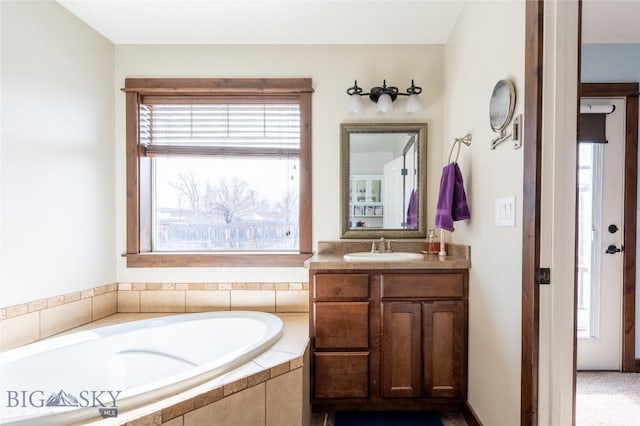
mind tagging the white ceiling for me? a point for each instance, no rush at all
(268, 21)
(314, 21)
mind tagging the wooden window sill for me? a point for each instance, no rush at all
(218, 260)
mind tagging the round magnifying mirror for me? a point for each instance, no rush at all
(503, 101)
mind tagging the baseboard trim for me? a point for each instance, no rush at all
(470, 416)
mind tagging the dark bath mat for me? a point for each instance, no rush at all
(386, 418)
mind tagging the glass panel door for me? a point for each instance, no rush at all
(589, 214)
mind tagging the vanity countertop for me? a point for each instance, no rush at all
(330, 256)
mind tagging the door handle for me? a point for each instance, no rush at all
(612, 249)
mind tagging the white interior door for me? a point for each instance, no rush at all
(600, 220)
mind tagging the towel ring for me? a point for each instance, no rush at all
(466, 139)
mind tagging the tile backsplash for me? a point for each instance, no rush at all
(29, 322)
(32, 321)
(199, 297)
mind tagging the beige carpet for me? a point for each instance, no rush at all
(607, 398)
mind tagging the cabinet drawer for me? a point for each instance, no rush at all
(423, 285)
(341, 325)
(341, 375)
(340, 286)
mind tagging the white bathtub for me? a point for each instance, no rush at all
(132, 364)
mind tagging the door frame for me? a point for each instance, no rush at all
(629, 91)
(531, 203)
(531, 215)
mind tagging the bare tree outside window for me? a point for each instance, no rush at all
(226, 204)
(188, 189)
(232, 199)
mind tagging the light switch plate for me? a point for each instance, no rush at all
(506, 211)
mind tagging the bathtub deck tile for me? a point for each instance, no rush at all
(208, 397)
(271, 358)
(178, 409)
(296, 362)
(295, 335)
(279, 369)
(235, 386)
(243, 371)
(258, 378)
(153, 419)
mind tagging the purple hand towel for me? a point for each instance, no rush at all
(412, 211)
(452, 201)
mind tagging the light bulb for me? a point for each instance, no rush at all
(385, 104)
(356, 107)
(414, 104)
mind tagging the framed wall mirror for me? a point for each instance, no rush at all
(383, 180)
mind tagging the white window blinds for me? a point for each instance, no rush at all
(212, 128)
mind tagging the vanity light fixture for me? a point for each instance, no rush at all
(383, 97)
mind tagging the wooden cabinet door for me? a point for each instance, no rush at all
(401, 355)
(341, 325)
(341, 375)
(444, 343)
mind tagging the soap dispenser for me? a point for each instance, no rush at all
(432, 242)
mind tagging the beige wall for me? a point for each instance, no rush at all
(333, 69)
(57, 160)
(485, 46)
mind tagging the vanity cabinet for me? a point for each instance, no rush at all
(341, 335)
(388, 339)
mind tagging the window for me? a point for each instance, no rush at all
(590, 167)
(218, 172)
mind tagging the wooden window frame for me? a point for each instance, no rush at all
(138, 169)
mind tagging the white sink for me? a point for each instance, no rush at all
(396, 256)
